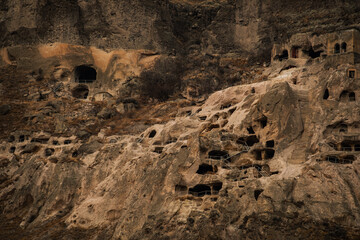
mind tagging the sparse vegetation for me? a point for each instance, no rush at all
(163, 80)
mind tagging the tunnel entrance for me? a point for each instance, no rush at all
(85, 74)
(80, 91)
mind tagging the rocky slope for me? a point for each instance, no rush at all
(178, 135)
(253, 161)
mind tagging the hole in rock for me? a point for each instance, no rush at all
(337, 48)
(257, 193)
(21, 138)
(326, 94)
(231, 111)
(218, 155)
(263, 122)
(152, 134)
(202, 118)
(171, 140)
(252, 90)
(200, 190)
(75, 154)
(250, 130)
(181, 188)
(85, 74)
(225, 106)
(249, 141)
(205, 168)
(352, 97)
(344, 96)
(12, 149)
(343, 128)
(346, 146)
(351, 74)
(284, 55)
(49, 152)
(213, 126)
(343, 47)
(158, 149)
(80, 92)
(332, 159)
(295, 52)
(269, 153)
(216, 187)
(257, 154)
(314, 54)
(270, 144)
(66, 142)
(357, 147)
(55, 142)
(348, 159)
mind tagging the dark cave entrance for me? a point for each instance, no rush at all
(218, 155)
(200, 190)
(80, 91)
(85, 74)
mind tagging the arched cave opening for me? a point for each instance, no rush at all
(81, 92)
(343, 47)
(337, 48)
(85, 74)
(326, 94)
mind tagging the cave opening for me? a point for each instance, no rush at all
(152, 134)
(270, 143)
(81, 92)
(269, 153)
(314, 54)
(205, 168)
(344, 95)
(343, 47)
(216, 187)
(284, 55)
(295, 52)
(85, 74)
(257, 193)
(352, 97)
(250, 130)
(200, 190)
(218, 154)
(263, 122)
(337, 48)
(326, 94)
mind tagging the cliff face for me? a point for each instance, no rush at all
(111, 128)
(246, 27)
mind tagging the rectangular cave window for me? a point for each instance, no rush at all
(295, 52)
(351, 73)
(200, 190)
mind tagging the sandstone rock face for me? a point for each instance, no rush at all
(97, 142)
(263, 160)
(187, 26)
